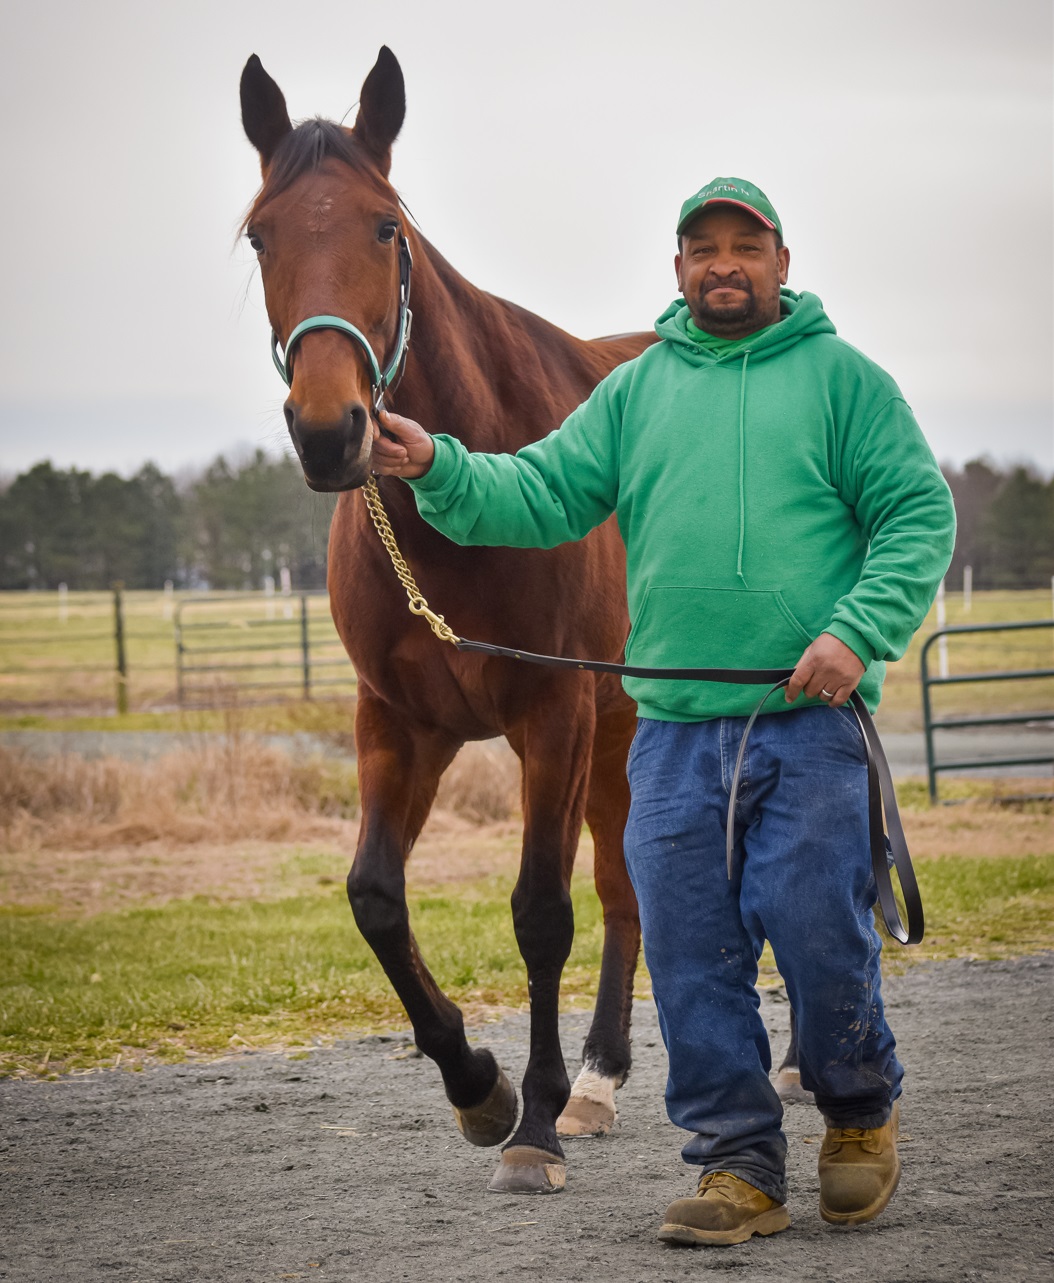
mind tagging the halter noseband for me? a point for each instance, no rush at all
(380, 381)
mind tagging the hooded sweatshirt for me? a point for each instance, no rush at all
(765, 495)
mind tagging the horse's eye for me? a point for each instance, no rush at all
(387, 231)
(256, 243)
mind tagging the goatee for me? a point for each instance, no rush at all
(720, 321)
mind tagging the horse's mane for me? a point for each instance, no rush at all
(304, 148)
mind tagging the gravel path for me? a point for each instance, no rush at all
(346, 1165)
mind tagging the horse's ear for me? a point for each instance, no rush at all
(382, 106)
(264, 113)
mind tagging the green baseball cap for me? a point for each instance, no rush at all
(731, 191)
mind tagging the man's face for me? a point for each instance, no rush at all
(730, 269)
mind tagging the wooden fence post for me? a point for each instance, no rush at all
(122, 661)
(305, 649)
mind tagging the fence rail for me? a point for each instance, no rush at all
(71, 649)
(58, 655)
(934, 724)
(100, 652)
(299, 643)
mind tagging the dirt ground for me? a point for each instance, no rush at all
(346, 1164)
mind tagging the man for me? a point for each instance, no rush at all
(780, 508)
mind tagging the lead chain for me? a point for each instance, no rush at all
(417, 602)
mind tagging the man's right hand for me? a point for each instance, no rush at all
(409, 456)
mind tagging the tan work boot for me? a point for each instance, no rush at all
(859, 1170)
(725, 1210)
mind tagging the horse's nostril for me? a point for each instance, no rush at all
(330, 450)
(323, 453)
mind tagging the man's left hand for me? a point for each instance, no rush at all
(828, 670)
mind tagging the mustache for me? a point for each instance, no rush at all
(728, 283)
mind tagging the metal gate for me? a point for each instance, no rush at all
(258, 645)
(933, 724)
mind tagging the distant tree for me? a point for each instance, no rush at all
(973, 490)
(162, 512)
(1020, 530)
(45, 529)
(249, 521)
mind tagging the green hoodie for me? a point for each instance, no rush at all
(765, 496)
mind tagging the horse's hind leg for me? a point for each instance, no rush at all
(399, 769)
(606, 1054)
(555, 755)
(788, 1076)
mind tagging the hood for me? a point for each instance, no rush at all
(801, 315)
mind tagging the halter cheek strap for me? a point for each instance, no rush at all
(380, 381)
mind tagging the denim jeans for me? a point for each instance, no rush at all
(803, 882)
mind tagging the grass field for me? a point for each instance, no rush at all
(60, 657)
(162, 911)
(1034, 648)
(50, 668)
(122, 940)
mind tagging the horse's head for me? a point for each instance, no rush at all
(326, 226)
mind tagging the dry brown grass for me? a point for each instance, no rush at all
(482, 784)
(228, 821)
(234, 789)
(231, 819)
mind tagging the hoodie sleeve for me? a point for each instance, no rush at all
(904, 506)
(552, 491)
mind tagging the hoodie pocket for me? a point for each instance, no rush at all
(715, 628)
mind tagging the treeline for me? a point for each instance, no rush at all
(234, 525)
(228, 527)
(1005, 526)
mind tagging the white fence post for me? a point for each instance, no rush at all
(287, 589)
(967, 589)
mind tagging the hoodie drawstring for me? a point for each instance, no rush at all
(742, 466)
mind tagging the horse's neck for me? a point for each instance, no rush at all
(484, 370)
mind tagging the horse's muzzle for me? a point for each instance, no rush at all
(334, 456)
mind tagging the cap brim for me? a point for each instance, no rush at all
(724, 200)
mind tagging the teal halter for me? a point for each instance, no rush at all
(380, 381)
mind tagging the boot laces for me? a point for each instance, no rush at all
(721, 1184)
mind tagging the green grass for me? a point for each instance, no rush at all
(195, 977)
(1032, 648)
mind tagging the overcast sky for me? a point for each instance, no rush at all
(546, 151)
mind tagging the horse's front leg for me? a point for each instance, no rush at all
(554, 749)
(399, 768)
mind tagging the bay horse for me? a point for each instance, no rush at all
(333, 241)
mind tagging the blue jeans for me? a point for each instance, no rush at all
(803, 882)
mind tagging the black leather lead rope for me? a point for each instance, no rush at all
(886, 853)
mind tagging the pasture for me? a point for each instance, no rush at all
(183, 907)
(58, 652)
(56, 663)
(194, 905)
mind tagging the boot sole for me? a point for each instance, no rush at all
(865, 1213)
(766, 1223)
